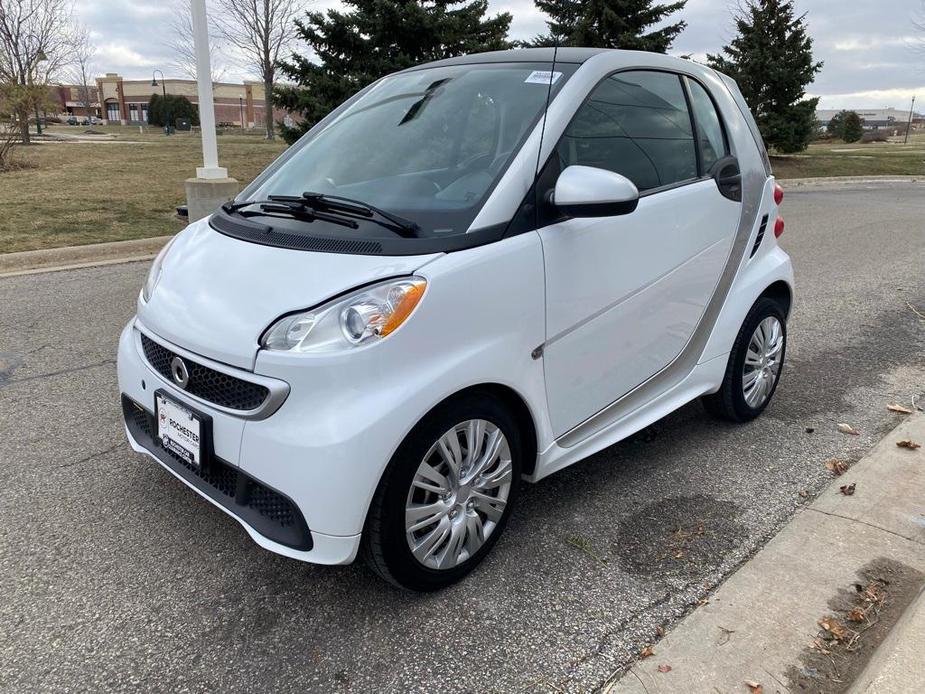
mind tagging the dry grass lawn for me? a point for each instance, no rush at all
(125, 188)
(856, 159)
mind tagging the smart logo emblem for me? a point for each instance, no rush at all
(179, 372)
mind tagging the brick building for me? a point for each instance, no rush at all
(120, 101)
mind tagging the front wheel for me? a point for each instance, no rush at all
(446, 495)
(754, 366)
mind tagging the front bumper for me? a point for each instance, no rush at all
(275, 521)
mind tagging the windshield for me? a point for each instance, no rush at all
(427, 145)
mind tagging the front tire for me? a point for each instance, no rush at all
(446, 495)
(755, 365)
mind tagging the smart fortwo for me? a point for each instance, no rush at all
(473, 272)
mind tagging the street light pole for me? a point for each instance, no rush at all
(210, 167)
(241, 104)
(909, 124)
(164, 92)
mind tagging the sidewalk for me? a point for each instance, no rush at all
(762, 627)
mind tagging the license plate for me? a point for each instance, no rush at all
(179, 430)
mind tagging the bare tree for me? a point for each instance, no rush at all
(34, 46)
(260, 30)
(182, 48)
(83, 54)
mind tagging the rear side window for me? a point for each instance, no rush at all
(710, 134)
(637, 124)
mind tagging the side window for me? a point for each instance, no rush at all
(637, 124)
(713, 146)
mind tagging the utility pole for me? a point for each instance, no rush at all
(909, 124)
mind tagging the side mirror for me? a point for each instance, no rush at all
(586, 191)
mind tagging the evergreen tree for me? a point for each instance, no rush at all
(610, 24)
(161, 110)
(853, 130)
(373, 38)
(771, 59)
(836, 126)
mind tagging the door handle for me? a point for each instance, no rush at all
(728, 178)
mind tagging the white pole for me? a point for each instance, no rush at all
(210, 167)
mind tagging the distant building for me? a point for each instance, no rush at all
(120, 101)
(871, 119)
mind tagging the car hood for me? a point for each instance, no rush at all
(217, 295)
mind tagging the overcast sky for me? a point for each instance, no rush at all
(867, 46)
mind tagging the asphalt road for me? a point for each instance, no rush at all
(113, 576)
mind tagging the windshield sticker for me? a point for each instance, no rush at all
(543, 77)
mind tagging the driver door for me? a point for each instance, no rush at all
(624, 294)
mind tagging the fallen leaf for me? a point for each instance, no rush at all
(839, 467)
(660, 631)
(817, 644)
(646, 652)
(856, 615)
(899, 408)
(847, 489)
(703, 601)
(848, 429)
(664, 668)
(908, 443)
(831, 625)
(804, 493)
(754, 687)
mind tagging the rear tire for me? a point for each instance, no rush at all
(462, 513)
(748, 387)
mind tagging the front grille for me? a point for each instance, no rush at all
(208, 384)
(270, 513)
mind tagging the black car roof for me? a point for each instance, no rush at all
(519, 55)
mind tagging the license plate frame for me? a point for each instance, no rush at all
(186, 418)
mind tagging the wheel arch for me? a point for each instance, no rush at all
(519, 409)
(780, 292)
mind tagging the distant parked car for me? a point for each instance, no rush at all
(93, 120)
(71, 120)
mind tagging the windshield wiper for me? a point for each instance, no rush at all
(336, 204)
(330, 208)
(295, 207)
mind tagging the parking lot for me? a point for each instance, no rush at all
(114, 576)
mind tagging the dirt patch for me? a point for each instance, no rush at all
(862, 616)
(681, 536)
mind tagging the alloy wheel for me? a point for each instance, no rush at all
(762, 362)
(458, 494)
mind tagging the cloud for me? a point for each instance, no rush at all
(867, 47)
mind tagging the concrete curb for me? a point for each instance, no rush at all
(759, 623)
(897, 667)
(846, 181)
(74, 257)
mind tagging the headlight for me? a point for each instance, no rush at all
(154, 274)
(362, 317)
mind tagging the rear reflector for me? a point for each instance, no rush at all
(778, 194)
(778, 227)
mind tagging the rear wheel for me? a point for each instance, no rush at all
(754, 366)
(446, 495)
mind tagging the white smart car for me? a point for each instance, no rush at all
(473, 272)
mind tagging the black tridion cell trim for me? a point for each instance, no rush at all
(267, 235)
(269, 512)
(760, 237)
